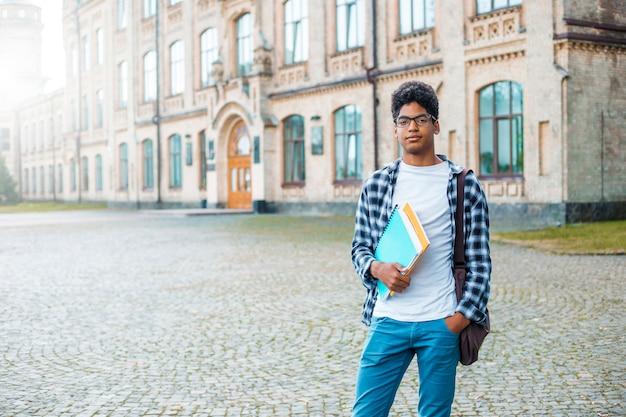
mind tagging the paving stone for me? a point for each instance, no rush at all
(135, 314)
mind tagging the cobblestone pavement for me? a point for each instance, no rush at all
(132, 314)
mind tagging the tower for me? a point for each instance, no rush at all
(20, 52)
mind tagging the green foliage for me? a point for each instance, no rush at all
(40, 207)
(8, 186)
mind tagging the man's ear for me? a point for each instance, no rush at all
(436, 127)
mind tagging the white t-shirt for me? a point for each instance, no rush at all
(431, 294)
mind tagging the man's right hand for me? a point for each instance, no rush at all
(391, 274)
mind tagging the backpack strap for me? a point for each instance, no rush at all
(459, 238)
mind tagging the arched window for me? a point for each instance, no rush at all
(176, 163)
(487, 6)
(501, 129)
(26, 181)
(148, 165)
(98, 172)
(348, 143)
(296, 31)
(149, 77)
(123, 84)
(123, 166)
(244, 45)
(208, 55)
(85, 167)
(177, 68)
(72, 175)
(293, 137)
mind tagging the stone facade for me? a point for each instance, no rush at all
(567, 56)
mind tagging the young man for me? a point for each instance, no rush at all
(423, 318)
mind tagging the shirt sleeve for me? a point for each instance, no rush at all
(362, 242)
(473, 304)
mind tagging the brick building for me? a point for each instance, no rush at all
(284, 105)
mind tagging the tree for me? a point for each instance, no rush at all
(8, 192)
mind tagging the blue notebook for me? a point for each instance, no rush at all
(403, 241)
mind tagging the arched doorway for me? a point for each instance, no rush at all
(239, 168)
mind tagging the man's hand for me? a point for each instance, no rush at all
(391, 274)
(457, 322)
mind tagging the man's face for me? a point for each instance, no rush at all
(416, 138)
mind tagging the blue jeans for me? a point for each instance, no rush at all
(389, 349)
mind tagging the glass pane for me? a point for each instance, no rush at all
(418, 15)
(288, 161)
(430, 13)
(499, 4)
(233, 179)
(359, 157)
(340, 157)
(340, 121)
(240, 186)
(503, 98)
(504, 146)
(299, 161)
(248, 187)
(516, 98)
(352, 154)
(486, 101)
(486, 147)
(341, 28)
(483, 6)
(515, 2)
(405, 17)
(243, 146)
(350, 119)
(518, 145)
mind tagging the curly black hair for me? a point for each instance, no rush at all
(415, 91)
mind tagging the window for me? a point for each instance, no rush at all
(51, 178)
(123, 84)
(5, 139)
(174, 2)
(348, 143)
(75, 62)
(85, 53)
(149, 8)
(42, 175)
(203, 157)
(416, 15)
(148, 161)
(72, 175)
(177, 68)
(501, 129)
(99, 47)
(486, 6)
(122, 14)
(98, 172)
(293, 136)
(149, 77)
(85, 119)
(60, 168)
(208, 54)
(296, 31)
(85, 168)
(176, 163)
(244, 45)
(123, 166)
(26, 181)
(99, 108)
(33, 173)
(350, 24)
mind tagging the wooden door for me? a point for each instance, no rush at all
(239, 168)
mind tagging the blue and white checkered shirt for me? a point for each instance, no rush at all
(372, 214)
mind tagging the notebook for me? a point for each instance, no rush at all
(403, 241)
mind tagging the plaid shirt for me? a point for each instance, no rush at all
(373, 211)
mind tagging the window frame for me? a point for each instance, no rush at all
(492, 7)
(208, 55)
(147, 155)
(150, 76)
(176, 161)
(123, 154)
(493, 119)
(177, 67)
(296, 31)
(85, 174)
(355, 12)
(98, 168)
(294, 152)
(341, 132)
(123, 84)
(427, 16)
(244, 47)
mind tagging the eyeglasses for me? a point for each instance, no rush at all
(420, 120)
